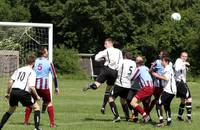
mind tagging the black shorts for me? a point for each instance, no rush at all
(22, 96)
(119, 91)
(131, 94)
(166, 98)
(182, 90)
(108, 75)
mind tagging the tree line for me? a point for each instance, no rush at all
(141, 26)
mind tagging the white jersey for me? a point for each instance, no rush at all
(125, 73)
(24, 78)
(180, 70)
(113, 57)
(169, 85)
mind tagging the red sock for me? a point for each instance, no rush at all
(140, 110)
(50, 110)
(28, 111)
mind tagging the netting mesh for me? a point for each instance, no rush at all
(16, 43)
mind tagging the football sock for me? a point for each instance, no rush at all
(50, 110)
(159, 112)
(4, 119)
(181, 109)
(113, 108)
(37, 119)
(44, 107)
(126, 111)
(140, 110)
(105, 99)
(27, 114)
(168, 111)
(189, 109)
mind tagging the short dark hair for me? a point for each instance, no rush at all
(109, 39)
(165, 53)
(30, 59)
(41, 51)
(166, 59)
(128, 55)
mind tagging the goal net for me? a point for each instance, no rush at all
(17, 40)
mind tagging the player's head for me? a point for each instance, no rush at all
(163, 53)
(128, 55)
(184, 56)
(30, 60)
(108, 43)
(43, 52)
(139, 61)
(165, 60)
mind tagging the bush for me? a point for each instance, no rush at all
(66, 62)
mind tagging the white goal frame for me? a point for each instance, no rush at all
(50, 37)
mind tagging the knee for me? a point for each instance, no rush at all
(111, 99)
(134, 102)
(189, 100)
(49, 104)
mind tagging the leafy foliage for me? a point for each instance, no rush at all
(67, 61)
(143, 25)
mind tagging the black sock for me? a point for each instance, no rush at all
(4, 119)
(37, 119)
(126, 111)
(181, 110)
(168, 112)
(44, 107)
(105, 99)
(189, 109)
(113, 108)
(159, 112)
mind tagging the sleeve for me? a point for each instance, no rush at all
(100, 55)
(178, 65)
(54, 75)
(32, 79)
(135, 74)
(14, 75)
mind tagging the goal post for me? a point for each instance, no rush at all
(17, 39)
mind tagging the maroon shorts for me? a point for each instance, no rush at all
(144, 92)
(44, 94)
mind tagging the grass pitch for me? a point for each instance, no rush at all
(77, 110)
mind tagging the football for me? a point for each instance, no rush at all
(176, 16)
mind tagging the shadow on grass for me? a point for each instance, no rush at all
(21, 123)
(96, 119)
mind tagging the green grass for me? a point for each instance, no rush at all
(76, 110)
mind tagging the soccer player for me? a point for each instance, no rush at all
(146, 84)
(181, 65)
(42, 68)
(21, 85)
(122, 86)
(157, 68)
(169, 91)
(113, 58)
